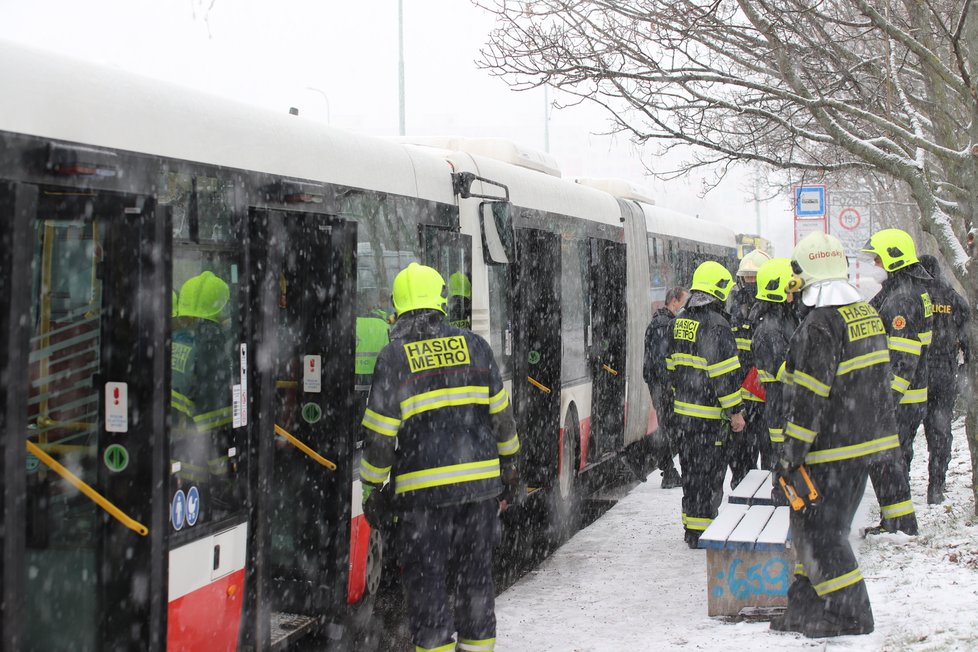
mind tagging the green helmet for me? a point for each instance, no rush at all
(418, 287)
(459, 285)
(895, 248)
(204, 296)
(773, 280)
(819, 257)
(751, 262)
(712, 278)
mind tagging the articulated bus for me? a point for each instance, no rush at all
(143, 510)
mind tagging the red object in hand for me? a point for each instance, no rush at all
(753, 385)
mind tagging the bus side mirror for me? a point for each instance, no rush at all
(498, 242)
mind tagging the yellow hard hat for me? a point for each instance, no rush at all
(751, 262)
(895, 248)
(418, 287)
(818, 257)
(712, 278)
(773, 280)
(459, 285)
(204, 296)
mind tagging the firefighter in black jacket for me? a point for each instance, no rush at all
(775, 320)
(906, 311)
(657, 337)
(839, 418)
(438, 421)
(950, 336)
(742, 451)
(705, 376)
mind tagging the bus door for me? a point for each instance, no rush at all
(607, 351)
(89, 548)
(535, 280)
(304, 297)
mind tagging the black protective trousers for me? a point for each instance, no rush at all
(744, 446)
(702, 458)
(891, 475)
(942, 391)
(665, 448)
(446, 558)
(828, 579)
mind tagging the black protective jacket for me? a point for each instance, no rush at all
(838, 401)
(951, 314)
(742, 300)
(907, 313)
(657, 336)
(438, 418)
(702, 361)
(773, 324)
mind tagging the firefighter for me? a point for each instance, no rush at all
(657, 336)
(705, 377)
(837, 372)
(372, 334)
(200, 392)
(742, 451)
(774, 321)
(460, 300)
(439, 424)
(950, 336)
(905, 308)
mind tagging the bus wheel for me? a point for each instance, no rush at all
(375, 562)
(564, 508)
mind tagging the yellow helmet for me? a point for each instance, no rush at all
(418, 287)
(773, 280)
(204, 296)
(751, 262)
(818, 257)
(895, 248)
(712, 278)
(459, 285)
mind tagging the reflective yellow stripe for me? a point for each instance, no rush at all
(840, 582)
(747, 395)
(687, 360)
(800, 569)
(371, 473)
(213, 419)
(483, 645)
(914, 396)
(450, 647)
(724, 366)
(904, 344)
(776, 434)
(442, 398)
(926, 337)
(765, 376)
(731, 399)
(180, 402)
(701, 411)
(508, 447)
(897, 509)
(743, 343)
(442, 475)
(800, 432)
(855, 450)
(498, 402)
(811, 383)
(899, 384)
(782, 372)
(881, 356)
(380, 424)
(696, 523)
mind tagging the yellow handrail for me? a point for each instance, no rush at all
(538, 384)
(81, 486)
(279, 430)
(609, 370)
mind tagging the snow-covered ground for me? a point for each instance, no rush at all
(628, 582)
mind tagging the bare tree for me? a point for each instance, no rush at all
(877, 88)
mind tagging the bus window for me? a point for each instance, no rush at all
(500, 307)
(575, 308)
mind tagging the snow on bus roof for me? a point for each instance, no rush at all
(58, 97)
(499, 149)
(673, 223)
(621, 188)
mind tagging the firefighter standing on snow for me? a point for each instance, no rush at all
(775, 320)
(906, 311)
(705, 377)
(438, 421)
(837, 371)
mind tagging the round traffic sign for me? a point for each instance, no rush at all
(116, 457)
(849, 219)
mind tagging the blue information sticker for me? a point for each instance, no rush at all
(193, 505)
(178, 510)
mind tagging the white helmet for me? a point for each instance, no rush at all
(819, 257)
(751, 262)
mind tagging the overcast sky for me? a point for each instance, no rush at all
(271, 53)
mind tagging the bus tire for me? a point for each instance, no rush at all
(564, 500)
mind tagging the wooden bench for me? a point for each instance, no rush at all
(748, 559)
(754, 489)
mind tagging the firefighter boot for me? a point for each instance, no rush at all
(802, 599)
(833, 624)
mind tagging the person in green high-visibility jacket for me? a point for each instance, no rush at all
(460, 300)
(373, 334)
